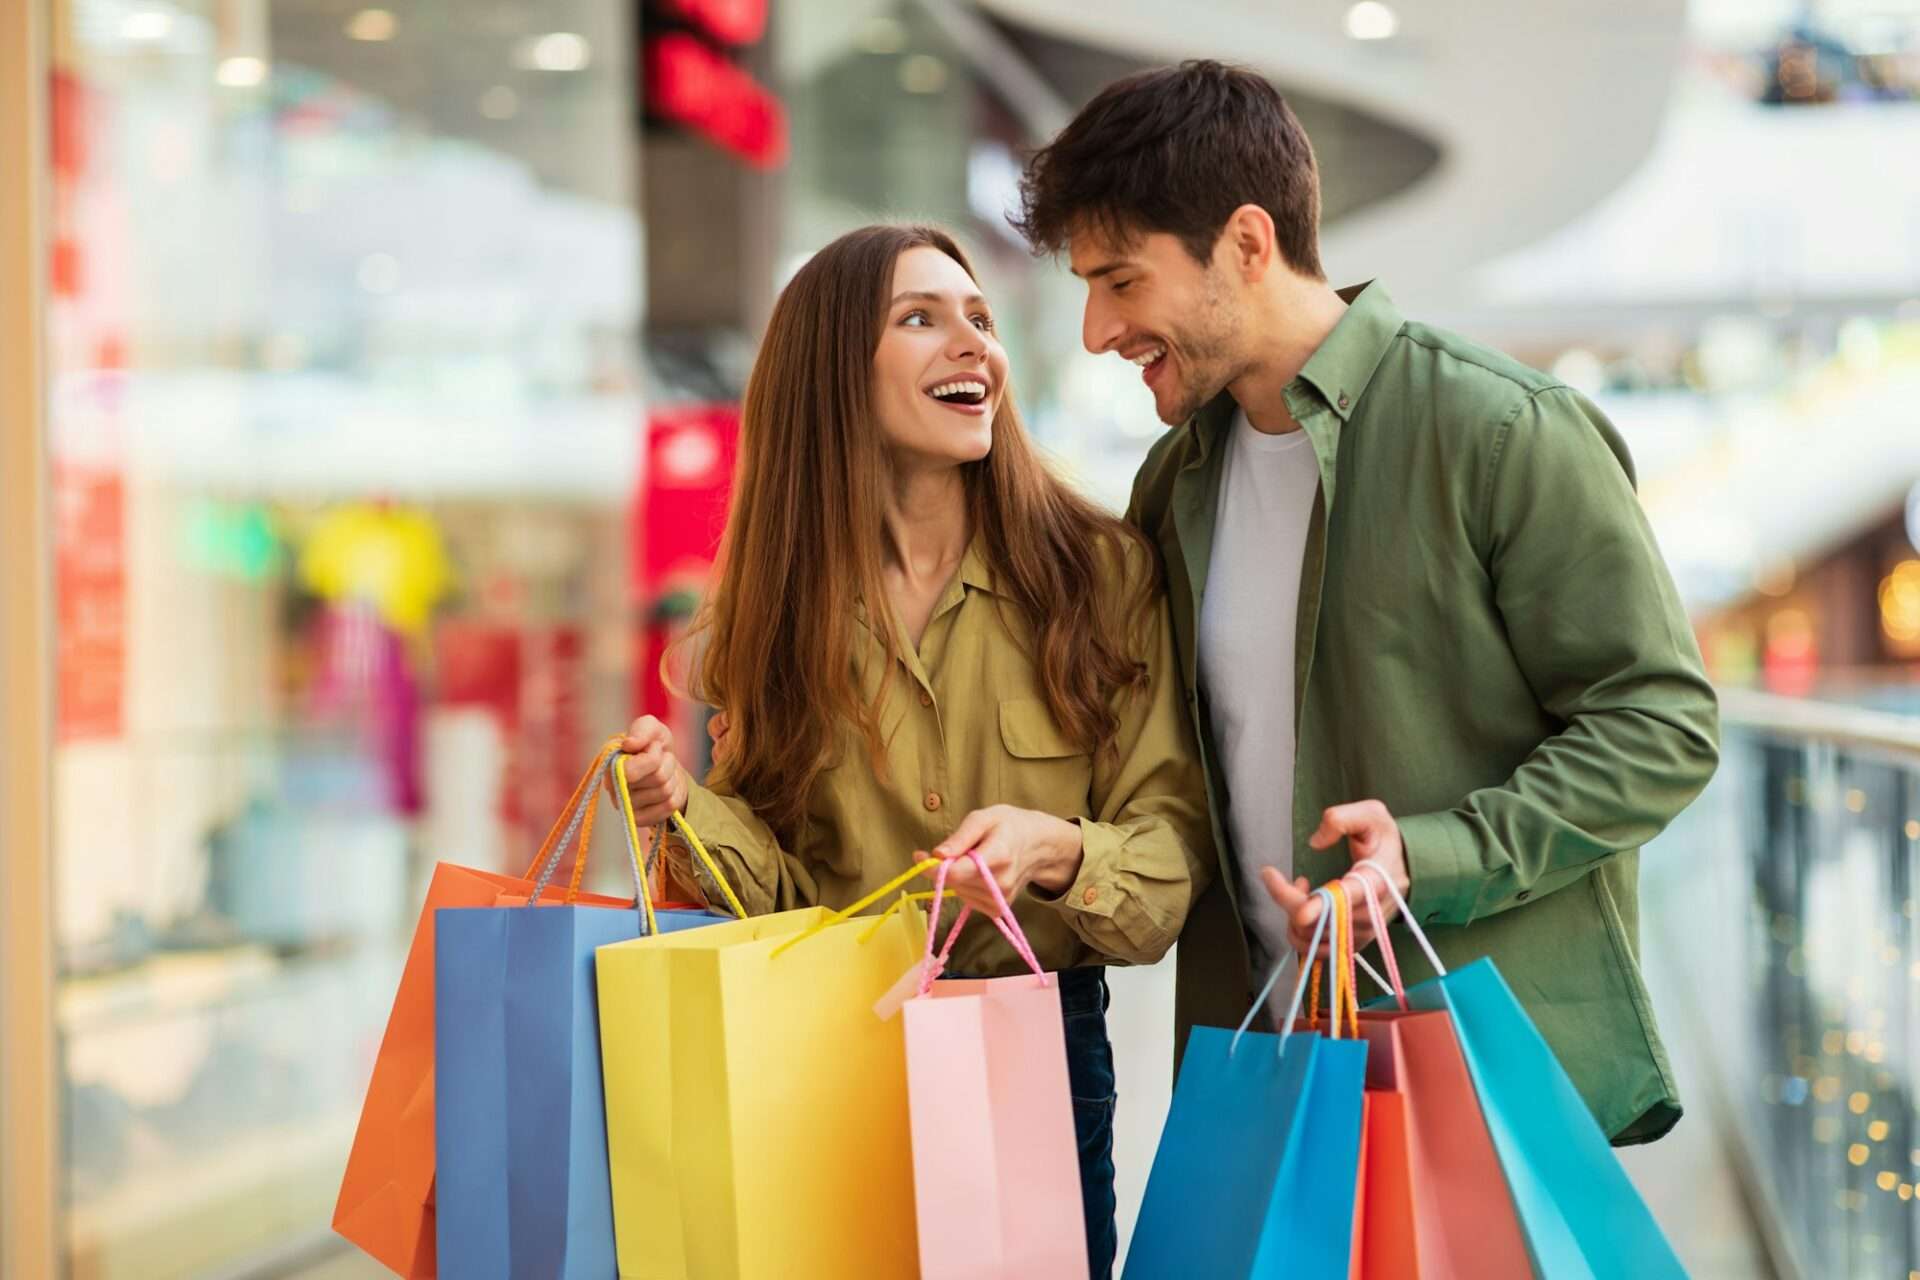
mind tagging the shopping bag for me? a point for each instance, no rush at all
(996, 1165)
(386, 1200)
(1259, 1158)
(1578, 1211)
(757, 1109)
(1438, 1207)
(521, 1128)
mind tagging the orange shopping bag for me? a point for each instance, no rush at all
(1438, 1207)
(386, 1196)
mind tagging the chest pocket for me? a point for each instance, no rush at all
(1040, 766)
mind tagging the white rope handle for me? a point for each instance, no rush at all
(1299, 987)
(1406, 913)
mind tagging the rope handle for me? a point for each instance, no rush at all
(1406, 913)
(1344, 1000)
(576, 816)
(933, 966)
(1394, 985)
(1273, 977)
(841, 916)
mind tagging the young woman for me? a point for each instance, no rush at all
(921, 640)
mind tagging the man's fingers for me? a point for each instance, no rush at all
(1358, 820)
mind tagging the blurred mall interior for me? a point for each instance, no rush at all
(390, 364)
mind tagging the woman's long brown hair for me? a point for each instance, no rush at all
(778, 633)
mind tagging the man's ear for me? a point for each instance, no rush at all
(1249, 243)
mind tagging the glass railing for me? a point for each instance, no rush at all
(1788, 894)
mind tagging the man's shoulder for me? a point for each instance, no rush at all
(1467, 370)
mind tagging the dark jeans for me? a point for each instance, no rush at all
(1083, 1004)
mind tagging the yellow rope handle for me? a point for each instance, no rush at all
(640, 887)
(900, 881)
(925, 895)
(706, 860)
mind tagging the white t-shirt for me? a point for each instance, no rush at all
(1246, 656)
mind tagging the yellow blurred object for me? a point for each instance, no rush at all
(1900, 608)
(389, 557)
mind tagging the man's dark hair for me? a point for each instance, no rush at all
(1177, 150)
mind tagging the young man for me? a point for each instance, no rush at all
(1417, 606)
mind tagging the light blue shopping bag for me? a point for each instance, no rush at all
(520, 1129)
(1259, 1159)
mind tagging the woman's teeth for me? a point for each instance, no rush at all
(968, 390)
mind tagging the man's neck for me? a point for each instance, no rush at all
(1295, 321)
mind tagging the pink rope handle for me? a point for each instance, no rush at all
(1009, 926)
(1397, 987)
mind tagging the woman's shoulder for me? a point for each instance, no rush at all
(1124, 561)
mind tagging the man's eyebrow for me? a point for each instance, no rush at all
(1105, 268)
(922, 295)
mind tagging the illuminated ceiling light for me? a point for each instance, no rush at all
(923, 73)
(883, 35)
(556, 51)
(499, 103)
(1371, 20)
(242, 72)
(147, 24)
(372, 25)
(1900, 604)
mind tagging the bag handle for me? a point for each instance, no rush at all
(576, 816)
(1344, 1001)
(1009, 926)
(846, 913)
(1406, 914)
(1273, 977)
(686, 831)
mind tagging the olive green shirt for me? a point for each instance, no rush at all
(966, 725)
(1489, 643)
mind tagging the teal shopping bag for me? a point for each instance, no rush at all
(1580, 1213)
(1258, 1162)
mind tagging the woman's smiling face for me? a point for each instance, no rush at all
(939, 374)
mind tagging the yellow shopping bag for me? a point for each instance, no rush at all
(757, 1123)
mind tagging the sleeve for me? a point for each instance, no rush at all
(765, 876)
(1598, 630)
(1148, 849)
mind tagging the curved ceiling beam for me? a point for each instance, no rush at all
(1539, 110)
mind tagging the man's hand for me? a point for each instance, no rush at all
(1019, 846)
(1372, 836)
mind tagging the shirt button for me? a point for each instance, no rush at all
(1090, 896)
(933, 802)
(1524, 894)
(1343, 400)
(926, 699)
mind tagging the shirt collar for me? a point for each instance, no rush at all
(1342, 366)
(1339, 369)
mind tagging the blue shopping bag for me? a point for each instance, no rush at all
(1259, 1158)
(1580, 1213)
(520, 1119)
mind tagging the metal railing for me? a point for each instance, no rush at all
(1788, 891)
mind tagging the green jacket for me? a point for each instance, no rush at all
(1490, 644)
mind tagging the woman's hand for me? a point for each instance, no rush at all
(1019, 846)
(654, 776)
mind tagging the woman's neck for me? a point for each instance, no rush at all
(926, 525)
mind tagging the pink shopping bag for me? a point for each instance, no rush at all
(996, 1170)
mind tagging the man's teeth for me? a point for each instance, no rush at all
(1146, 358)
(964, 386)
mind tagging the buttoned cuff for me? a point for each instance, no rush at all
(1447, 877)
(1092, 892)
